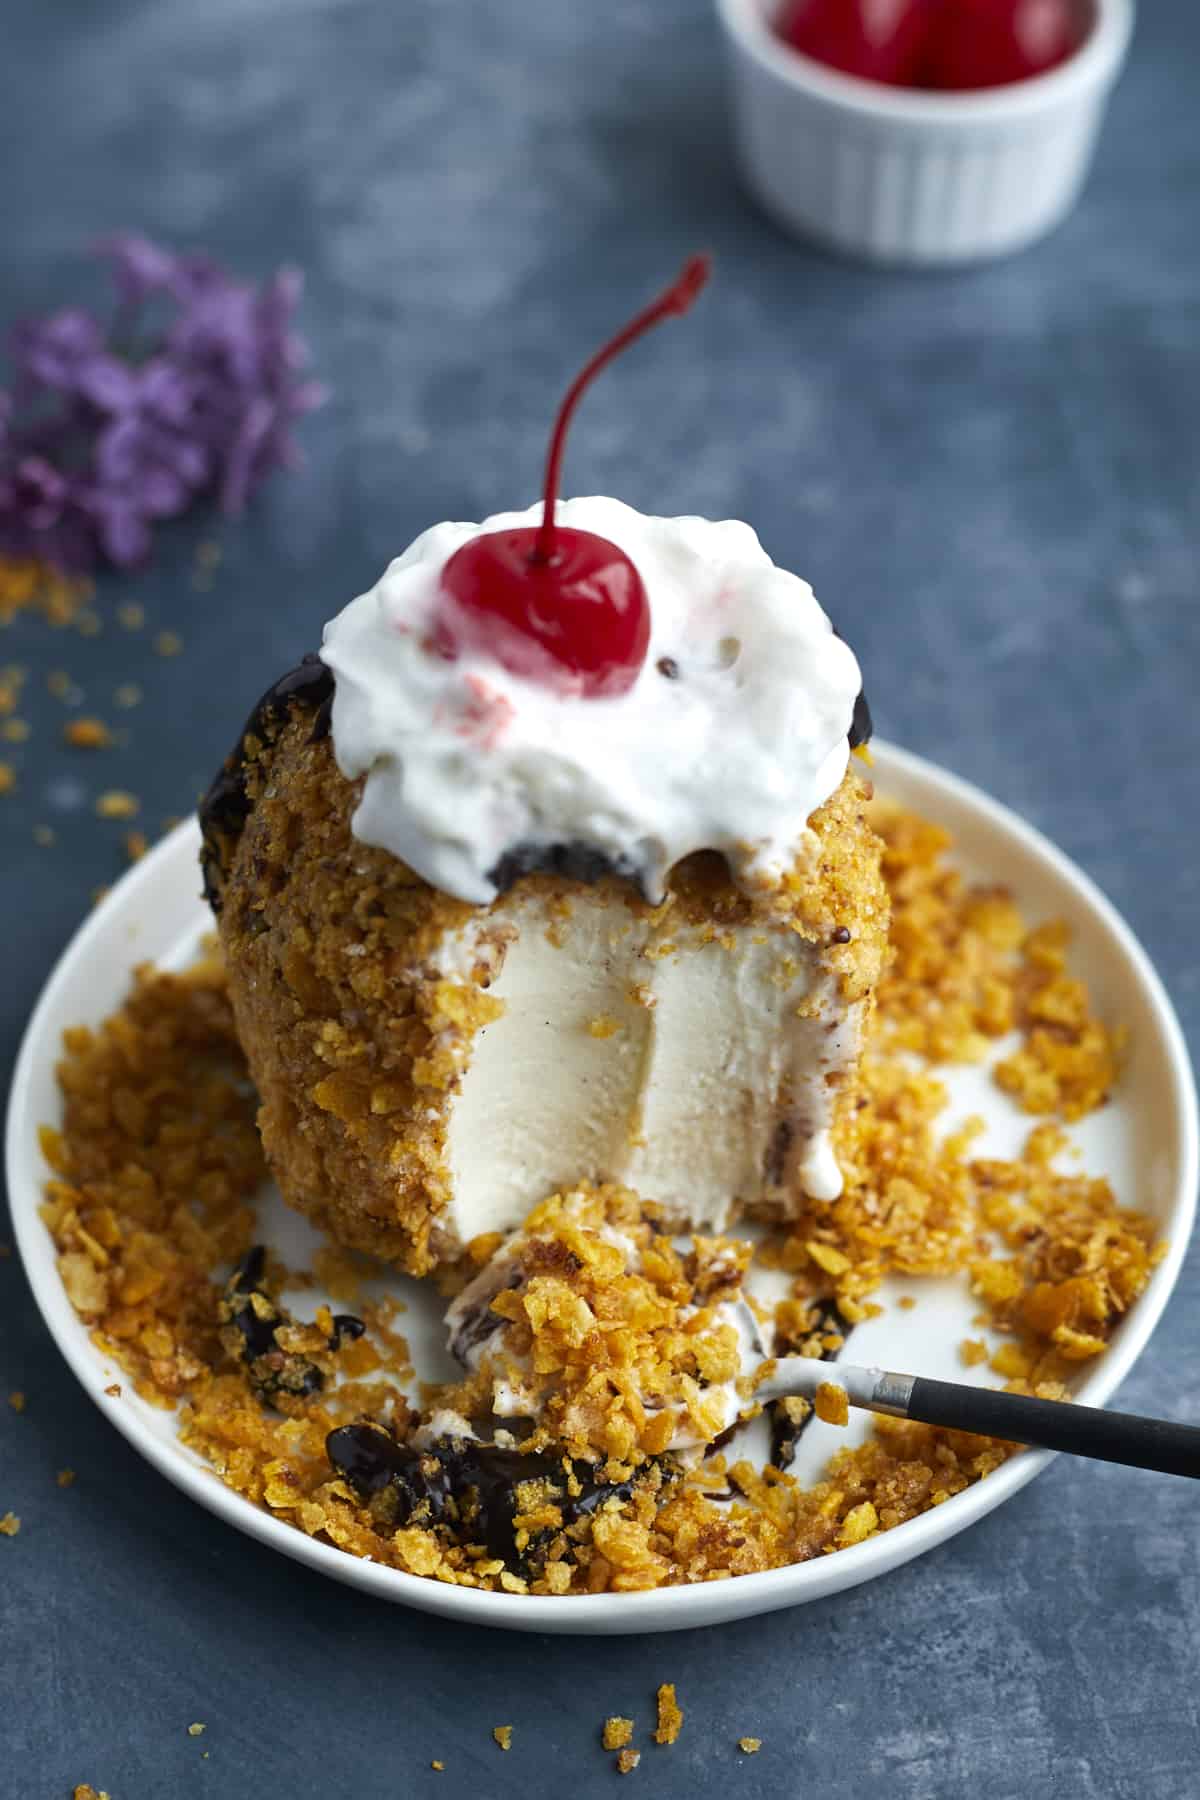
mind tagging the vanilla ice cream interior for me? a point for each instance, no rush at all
(698, 1068)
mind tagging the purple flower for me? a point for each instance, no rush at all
(39, 491)
(111, 428)
(121, 528)
(48, 353)
(138, 267)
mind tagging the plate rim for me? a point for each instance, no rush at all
(661, 1609)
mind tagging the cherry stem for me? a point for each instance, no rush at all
(670, 304)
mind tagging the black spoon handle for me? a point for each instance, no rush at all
(1055, 1425)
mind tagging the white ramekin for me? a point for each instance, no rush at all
(902, 175)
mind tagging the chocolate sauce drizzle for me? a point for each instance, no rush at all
(226, 806)
(249, 1321)
(467, 1487)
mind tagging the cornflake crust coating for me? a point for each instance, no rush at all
(361, 993)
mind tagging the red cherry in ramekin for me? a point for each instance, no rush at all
(989, 43)
(878, 40)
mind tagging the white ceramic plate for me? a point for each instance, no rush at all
(1145, 1141)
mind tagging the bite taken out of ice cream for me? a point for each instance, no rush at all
(554, 866)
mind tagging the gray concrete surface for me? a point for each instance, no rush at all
(991, 479)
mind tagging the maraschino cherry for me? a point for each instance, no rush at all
(953, 44)
(877, 40)
(551, 603)
(988, 43)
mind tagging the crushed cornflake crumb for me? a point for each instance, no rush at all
(195, 1730)
(9, 1525)
(8, 778)
(965, 971)
(12, 680)
(627, 1761)
(861, 1522)
(1069, 1061)
(906, 1303)
(830, 1404)
(87, 734)
(113, 1390)
(157, 1164)
(128, 695)
(27, 585)
(17, 1400)
(503, 1735)
(662, 1334)
(603, 1026)
(85, 1791)
(670, 1715)
(168, 643)
(135, 845)
(115, 803)
(973, 1351)
(439, 1766)
(65, 1478)
(750, 1746)
(617, 1732)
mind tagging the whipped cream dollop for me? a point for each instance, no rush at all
(733, 733)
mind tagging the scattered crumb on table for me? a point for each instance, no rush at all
(17, 1400)
(617, 1732)
(670, 1715)
(750, 1746)
(9, 1525)
(65, 1478)
(627, 1761)
(503, 1736)
(87, 734)
(116, 803)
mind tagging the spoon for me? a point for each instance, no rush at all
(1018, 1418)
